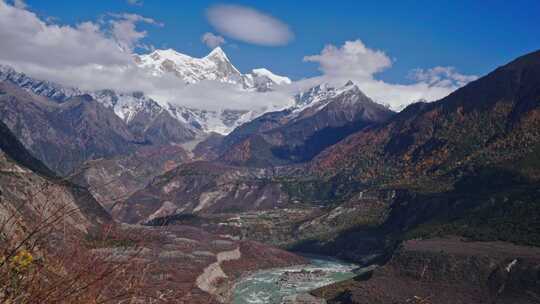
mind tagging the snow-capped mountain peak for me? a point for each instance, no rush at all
(217, 54)
(312, 95)
(128, 106)
(349, 88)
(215, 66)
(262, 72)
(324, 92)
(348, 98)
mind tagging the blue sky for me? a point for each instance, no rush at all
(473, 36)
(396, 52)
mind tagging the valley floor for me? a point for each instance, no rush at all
(182, 264)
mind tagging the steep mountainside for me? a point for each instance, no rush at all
(166, 122)
(321, 117)
(201, 187)
(490, 122)
(30, 193)
(146, 118)
(118, 131)
(60, 227)
(114, 179)
(467, 165)
(64, 135)
(143, 116)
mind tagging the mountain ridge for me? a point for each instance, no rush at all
(244, 176)
(398, 175)
(502, 99)
(320, 117)
(20, 173)
(192, 121)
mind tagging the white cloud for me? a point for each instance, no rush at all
(441, 76)
(249, 25)
(124, 31)
(84, 55)
(354, 61)
(212, 40)
(98, 55)
(27, 39)
(212, 95)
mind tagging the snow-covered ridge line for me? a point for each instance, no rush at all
(124, 105)
(128, 105)
(215, 66)
(320, 95)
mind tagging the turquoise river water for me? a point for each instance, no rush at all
(262, 286)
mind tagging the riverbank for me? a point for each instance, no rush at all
(249, 257)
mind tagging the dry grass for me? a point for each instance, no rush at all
(45, 260)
